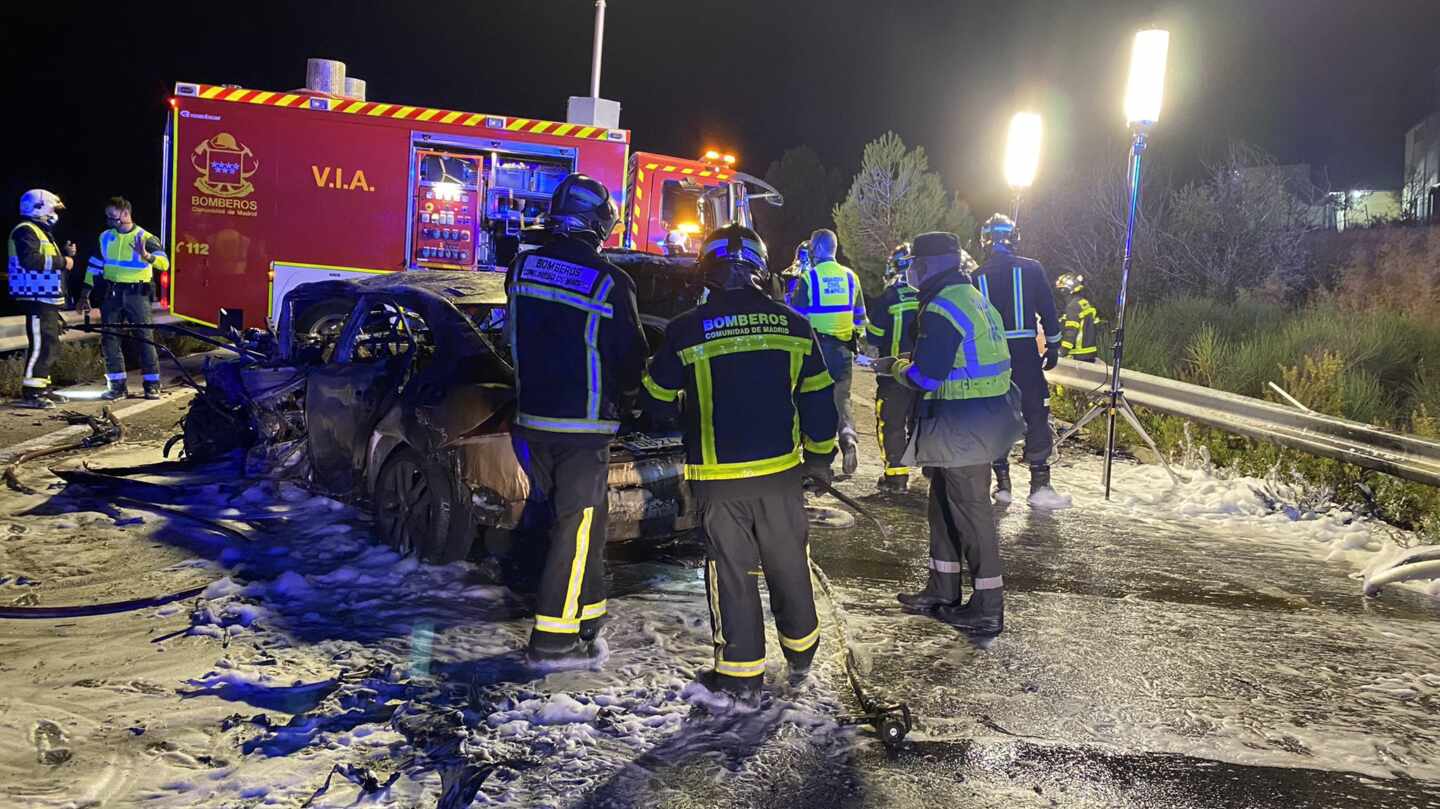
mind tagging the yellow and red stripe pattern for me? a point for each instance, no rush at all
(687, 169)
(403, 112)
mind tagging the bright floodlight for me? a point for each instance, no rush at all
(1022, 150)
(1147, 77)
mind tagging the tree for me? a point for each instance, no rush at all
(894, 198)
(1241, 228)
(1078, 225)
(810, 192)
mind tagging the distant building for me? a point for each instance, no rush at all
(1362, 207)
(1422, 165)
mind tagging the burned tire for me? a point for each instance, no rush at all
(324, 319)
(211, 430)
(416, 509)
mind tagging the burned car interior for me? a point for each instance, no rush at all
(402, 398)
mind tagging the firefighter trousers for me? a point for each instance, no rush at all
(128, 303)
(745, 539)
(894, 406)
(840, 362)
(569, 486)
(42, 338)
(962, 531)
(1027, 370)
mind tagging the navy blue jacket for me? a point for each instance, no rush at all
(892, 319)
(1020, 290)
(755, 396)
(575, 338)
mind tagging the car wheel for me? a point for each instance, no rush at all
(416, 509)
(324, 319)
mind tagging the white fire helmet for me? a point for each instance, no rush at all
(41, 205)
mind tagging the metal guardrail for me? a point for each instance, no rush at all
(12, 328)
(1404, 456)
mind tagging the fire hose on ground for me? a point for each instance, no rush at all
(891, 721)
(112, 432)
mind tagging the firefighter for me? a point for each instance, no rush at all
(1080, 338)
(126, 262)
(969, 413)
(1018, 288)
(800, 266)
(577, 346)
(829, 295)
(892, 332)
(759, 417)
(37, 270)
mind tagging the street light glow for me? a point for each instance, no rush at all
(1146, 85)
(1022, 150)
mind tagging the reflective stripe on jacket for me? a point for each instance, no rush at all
(829, 296)
(756, 396)
(892, 320)
(119, 257)
(1020, 291)
(960, 348)
(1081, 327)
(575, 339)
(36, 267)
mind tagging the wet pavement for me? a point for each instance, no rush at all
(1185, 647)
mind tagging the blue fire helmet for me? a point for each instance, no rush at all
(734, 257)
(999, 232)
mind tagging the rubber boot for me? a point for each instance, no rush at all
(1042, 494)
(116, 389)
(893, 484)
(35, 399)
(152, 390)
(1002, 484)
(982, 615)
(743, 692)
(1039, 478)
(933, 596)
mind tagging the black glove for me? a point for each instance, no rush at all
(818, 472)
(885, 365)
(1052, 355)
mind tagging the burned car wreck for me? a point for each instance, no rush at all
(402, 398)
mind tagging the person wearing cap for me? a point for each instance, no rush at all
(37, 269)
(577, 347)
(126, 262)
(758, 418)
(1020, 291)
(968, 414)
(830, 297)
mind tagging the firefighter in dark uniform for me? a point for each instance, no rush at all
(969, 413)
(1018, 288)
(577, 346)
(892, 332)
(36, 273)
(1080, 338)
(759, 416)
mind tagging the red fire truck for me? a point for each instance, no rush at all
(266, 190)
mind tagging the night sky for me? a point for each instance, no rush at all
(1334, 83)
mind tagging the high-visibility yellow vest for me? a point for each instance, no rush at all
(119, 260)
(45, 284)
(982, 362)
(833, 301)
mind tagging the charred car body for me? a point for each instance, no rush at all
(406, 401)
